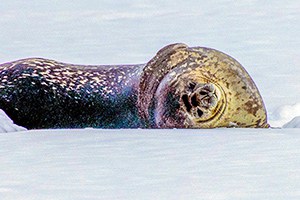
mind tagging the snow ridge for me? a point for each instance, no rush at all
(294, 123)
(284, 115)
(7, 125)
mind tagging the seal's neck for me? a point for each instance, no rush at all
(120, 80)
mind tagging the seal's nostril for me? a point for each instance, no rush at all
(194, 100)
(203, 93)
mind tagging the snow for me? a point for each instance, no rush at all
(7, 125)
(150, 164)
(285, 114)
(294, 123)
(157, 164)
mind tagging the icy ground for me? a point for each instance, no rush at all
(150, 164)
(294, 123)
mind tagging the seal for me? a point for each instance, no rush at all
(180, 87)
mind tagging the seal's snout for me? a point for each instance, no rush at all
(201, 100)
(205, 96)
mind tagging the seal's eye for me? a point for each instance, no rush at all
(186, 102)
(203, 93)
(194, 100)
(192, 85)
(199, 112)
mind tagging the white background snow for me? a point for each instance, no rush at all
(157, 164)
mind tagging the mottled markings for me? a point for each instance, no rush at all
(101, 79)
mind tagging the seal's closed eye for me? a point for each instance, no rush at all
(186, 102)
(192, 85)
(200, 113)
(194, 100)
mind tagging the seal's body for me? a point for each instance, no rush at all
(181, 87)
(42, 93)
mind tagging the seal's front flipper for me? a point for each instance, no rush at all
(7, 125)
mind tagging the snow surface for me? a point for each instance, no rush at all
(294, 123)
(7, 125)
(150, 164)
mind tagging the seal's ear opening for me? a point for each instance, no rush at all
(165, 60)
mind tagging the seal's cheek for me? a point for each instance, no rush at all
(167, 112)
(187, 100)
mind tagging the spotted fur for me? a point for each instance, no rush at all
(42, 93)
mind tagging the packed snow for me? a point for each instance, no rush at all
(7, 125)
(294, 123)
(285, 114)
(213, 164)
(150, 164)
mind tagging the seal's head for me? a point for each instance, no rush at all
(183, 87)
